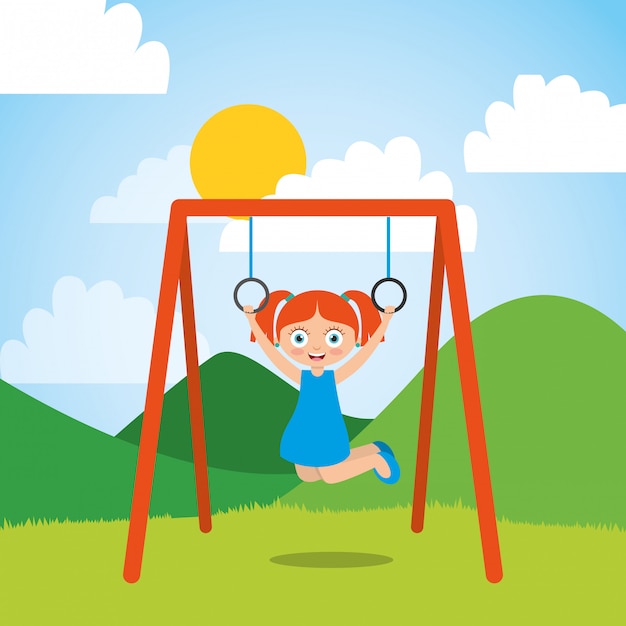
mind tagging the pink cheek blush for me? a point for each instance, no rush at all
(336, 351)
(297, 351)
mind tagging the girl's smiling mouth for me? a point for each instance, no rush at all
(317, 357)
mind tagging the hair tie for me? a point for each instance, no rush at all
(289, 297)
(343, 295)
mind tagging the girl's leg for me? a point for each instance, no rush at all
(361, 460)
(361, 451)
(307, 474)
(310, 474)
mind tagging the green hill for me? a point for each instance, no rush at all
(53, 467)
(246, 408)
(552, 375)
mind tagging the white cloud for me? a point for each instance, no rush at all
(91, 336)
(550, 128)
(146, 197)
(366, 172)
(74, 46)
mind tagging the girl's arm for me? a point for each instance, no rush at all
(364, 353)
(284, 365)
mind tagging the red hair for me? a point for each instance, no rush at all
(330, 305)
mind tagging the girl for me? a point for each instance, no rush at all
(317, 329)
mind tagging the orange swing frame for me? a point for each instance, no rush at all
(447, 260)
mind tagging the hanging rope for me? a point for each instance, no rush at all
(251, 278)
(388, 279)
(250, 248)
(388, 247)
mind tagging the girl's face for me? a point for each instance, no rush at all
(317, 342)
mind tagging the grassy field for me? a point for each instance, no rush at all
(283, 565)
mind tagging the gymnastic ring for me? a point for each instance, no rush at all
(252, 280)
(389, 280)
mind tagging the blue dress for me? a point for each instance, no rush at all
(316, 434)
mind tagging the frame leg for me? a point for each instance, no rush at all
(428, 386)
(198, 438)
(148, 443)
(471, 398)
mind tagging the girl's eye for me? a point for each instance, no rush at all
(334, 338)
(299, 338)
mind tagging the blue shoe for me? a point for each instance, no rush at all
(383, 447)
(394, 477)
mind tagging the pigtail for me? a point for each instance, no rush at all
(370, 317)
(265, 318)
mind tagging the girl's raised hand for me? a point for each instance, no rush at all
(248, 309)
(389, 310)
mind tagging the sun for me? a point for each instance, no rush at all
(243, 151)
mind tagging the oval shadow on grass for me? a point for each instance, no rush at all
(331, 559)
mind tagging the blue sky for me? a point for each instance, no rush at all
(341, 72)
